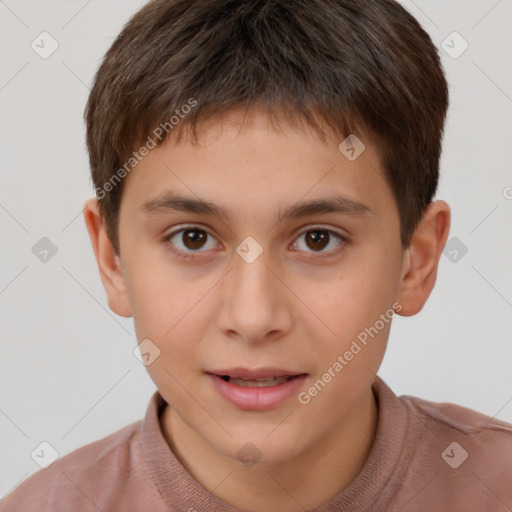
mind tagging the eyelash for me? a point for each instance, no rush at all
(190, 255)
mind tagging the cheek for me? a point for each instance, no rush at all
(372, 281)
(171, 310)
(350, 307)
(153, 304)
(158, 292)
(355, 299)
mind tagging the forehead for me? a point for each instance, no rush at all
(244, 163)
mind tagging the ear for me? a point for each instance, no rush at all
(109, 264)
(421, 259)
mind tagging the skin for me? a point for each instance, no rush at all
(291, 308)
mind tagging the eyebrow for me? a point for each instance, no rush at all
(169, 202)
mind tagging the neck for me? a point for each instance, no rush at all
(305, 482)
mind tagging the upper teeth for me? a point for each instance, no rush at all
(259, 383)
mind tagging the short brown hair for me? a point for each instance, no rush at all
(352, 66)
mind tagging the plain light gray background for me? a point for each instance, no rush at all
(68, 374)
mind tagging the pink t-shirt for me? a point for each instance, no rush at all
(426, 457)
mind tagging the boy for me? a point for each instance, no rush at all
(264, 173)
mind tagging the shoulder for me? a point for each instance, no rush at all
(457, 418)
(100, 464)
(470, 451)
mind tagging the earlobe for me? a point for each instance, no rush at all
(422, 258)
(109, 264)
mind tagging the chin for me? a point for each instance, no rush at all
(258, 447)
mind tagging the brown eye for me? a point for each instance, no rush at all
(316, 240)
(193, 239)
(190, 240)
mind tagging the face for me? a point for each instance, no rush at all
(258, 293)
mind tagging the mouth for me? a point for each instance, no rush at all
(258, 383)
(261, 377)
(259, 389)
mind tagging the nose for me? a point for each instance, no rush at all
(256, 304)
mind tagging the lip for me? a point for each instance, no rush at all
(257, 398)
(258, 373)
